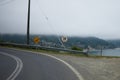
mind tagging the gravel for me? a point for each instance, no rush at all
(94, 68)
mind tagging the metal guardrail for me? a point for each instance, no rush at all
(42, 47)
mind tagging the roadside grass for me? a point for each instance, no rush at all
(60, 52)
(46, 51)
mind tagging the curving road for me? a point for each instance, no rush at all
(33, 66)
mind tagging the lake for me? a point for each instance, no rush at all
(107, 52)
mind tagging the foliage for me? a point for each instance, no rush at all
(76, 48)
(54, 41)
(115, 42)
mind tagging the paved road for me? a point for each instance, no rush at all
(7, 66)
(35, 67)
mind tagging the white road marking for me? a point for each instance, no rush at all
(79, 76)
(18, 68)
(67, 64)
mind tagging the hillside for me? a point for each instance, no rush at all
(115, 42)
(54, 41)
(90, 41)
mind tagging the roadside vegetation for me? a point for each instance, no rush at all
(47, 51)
(76, 48)
(57, 52)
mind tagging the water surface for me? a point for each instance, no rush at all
(107, 52)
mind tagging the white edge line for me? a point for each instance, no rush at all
(67, 64)
(18, 68)
(79, 76)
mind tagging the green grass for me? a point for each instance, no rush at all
(48, 51)
(60, 52)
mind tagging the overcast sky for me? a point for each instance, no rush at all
(99, 18)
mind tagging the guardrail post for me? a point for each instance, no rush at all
(88, 50)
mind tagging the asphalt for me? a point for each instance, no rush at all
(7, 66)
(35, 67)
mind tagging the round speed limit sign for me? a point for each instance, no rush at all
(64, 39)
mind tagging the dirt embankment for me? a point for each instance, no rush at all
(95, 68)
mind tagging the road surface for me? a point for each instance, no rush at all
(32, 66)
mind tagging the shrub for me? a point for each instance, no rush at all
(76, 48)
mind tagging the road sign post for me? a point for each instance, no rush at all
(36, 40)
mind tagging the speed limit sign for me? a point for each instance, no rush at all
(64, 39)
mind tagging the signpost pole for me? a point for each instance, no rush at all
(28, 24)
(36, 41)
(101, 50)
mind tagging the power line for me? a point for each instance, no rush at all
(50, 25)
(4, 2)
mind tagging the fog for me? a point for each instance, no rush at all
(99, 18)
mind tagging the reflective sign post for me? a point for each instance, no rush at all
(64, 39)
(36, 41)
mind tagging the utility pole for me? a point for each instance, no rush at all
(28, 24)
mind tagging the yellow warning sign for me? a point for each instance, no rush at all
(36, 40)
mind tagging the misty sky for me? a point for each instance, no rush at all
(99, 18)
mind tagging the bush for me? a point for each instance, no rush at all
(76, 48)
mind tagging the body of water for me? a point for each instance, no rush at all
(107, 52)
